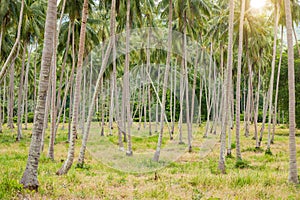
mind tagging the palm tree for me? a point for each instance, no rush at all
(68, 163)
(238, 82)
(166, 74)
(276, 20)
(126, 89)
(29, 178)
(227, 91)
(293, 170)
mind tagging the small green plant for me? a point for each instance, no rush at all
(233, 145)
(268, 152)
(241, 164)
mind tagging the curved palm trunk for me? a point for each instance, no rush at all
(164, 91)
(293, 171)
(16, 44)
(227, 91)
(29, 178)
(68, 163)
(93, 100)
(238, 82)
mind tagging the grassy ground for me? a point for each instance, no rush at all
(192, 176)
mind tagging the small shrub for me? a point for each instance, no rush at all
(268, 152)
(233, 145)
(241, 164)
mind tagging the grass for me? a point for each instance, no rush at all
(257, 176)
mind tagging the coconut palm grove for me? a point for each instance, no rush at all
(150, 99)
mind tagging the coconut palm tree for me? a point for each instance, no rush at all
(293, 170)
(227, 91)
(238, 82)
(29, 178)
(164, 90)
(69, 161)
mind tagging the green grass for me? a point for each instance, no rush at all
(257, 176)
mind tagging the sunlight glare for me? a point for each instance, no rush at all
(257, 4)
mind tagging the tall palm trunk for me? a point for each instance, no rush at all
(148, 71)
(126, 82)
(68, 163)
(227, 91)
(164, 89)
(63, 69)
(29, 178)
(238, 82)
(277, 86)
(94, 98)
(276, 19)
(265, 109)
(69, 85)
(293, 170)
(26, 89)
(53, 103)
(257, 105)
(188, 122)
(20, 94)
(194, 84)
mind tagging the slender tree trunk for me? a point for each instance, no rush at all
(277, 86)
(126, 81)
(296, 40)
(257, 105)
(238, 82)
(20, 94)
(111, 107)
(276, 19)
(265, 109)
(94, 98)
(164, 89)
(26, 89)
(102, 96)
(68, 163)
(29, 178)
(53, 102)
(68, 87)
(16, 44)
(194, 85)
(63, 71)
(293, 170)
(83, 101)
(157, 101)
(148, 71)
(174, 99)
(227, 91)
(188, 122)
(247, 113)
